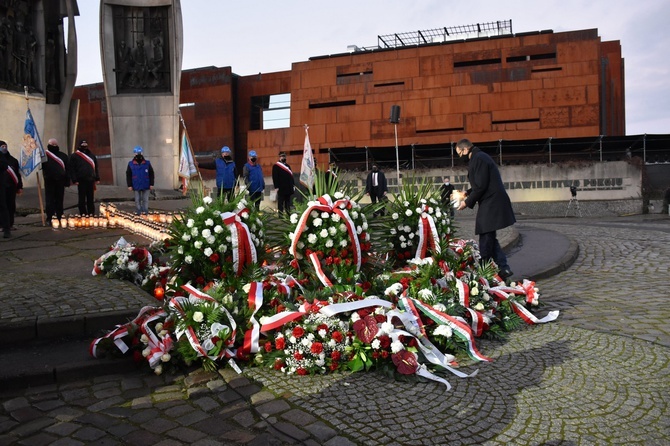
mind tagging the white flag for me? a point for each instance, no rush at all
(307, 169)
(187, 167)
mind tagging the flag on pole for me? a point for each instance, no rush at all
(32, 151)
(307, 169)
(187, 169)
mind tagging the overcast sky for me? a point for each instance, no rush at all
(267, 36)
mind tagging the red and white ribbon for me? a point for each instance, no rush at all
(87, 158)
(55, 159)
(121, 331)
(428, 236)
(244, 251)
(13, 175)
(314, 258)
(255, 301)
(158, 347)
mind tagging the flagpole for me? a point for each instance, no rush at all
(39, 184)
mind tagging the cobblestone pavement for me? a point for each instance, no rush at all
(599, 375)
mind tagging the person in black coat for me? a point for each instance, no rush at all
(4, 213)
(284, 183)
(445, 193)
(56, 179)
(13, 184)
(495, 208)
(83, 170)
(376, 187)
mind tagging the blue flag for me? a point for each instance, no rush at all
(32, 151)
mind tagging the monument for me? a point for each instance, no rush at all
(36, 64)
(141, 42)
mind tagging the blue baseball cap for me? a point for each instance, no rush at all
(252, 153)
(225, 149)
(137, 149)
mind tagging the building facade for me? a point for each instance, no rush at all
(526, 86)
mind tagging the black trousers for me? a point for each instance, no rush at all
(86, 203)
(489, 248)
(284, 203)
(54, 192)
(10, 204)
(377, 196)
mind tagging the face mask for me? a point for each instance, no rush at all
(374, 169)
(253, 160)
(283, 160)
(226, 157)
(3, 149)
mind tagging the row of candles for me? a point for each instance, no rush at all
(152, 226)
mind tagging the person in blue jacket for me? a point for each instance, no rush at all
(254, 180)
(140, 178)
(226, 173)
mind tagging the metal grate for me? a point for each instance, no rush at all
(445, 34)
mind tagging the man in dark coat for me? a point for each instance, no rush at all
(4, 213)
(13, 183)
(83, 170)
(495, 208)
(56, 179)
(284, 183)
(445, 193)
(376, 187)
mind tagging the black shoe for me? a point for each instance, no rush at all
(6, 234)
(505, 273)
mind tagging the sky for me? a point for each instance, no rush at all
(267, 36)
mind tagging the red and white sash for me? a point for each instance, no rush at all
(13, 175)
(57, 160)
(86, 158)
(285, 167)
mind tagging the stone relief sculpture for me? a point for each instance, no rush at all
(141, 67)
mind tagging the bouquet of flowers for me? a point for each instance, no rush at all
(330, 243)
(415, 222)
(125, 261)
(215, 239)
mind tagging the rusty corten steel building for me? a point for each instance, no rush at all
(512, 86)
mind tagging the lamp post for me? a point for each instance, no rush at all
(395, 118)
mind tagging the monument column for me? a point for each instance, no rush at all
(141, 45)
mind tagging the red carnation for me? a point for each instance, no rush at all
(322, 327)
(336, 355)
(385, 341)
(278, 364)
(337, 261)
(294, 263)
(214, 257)
(344, 252)
(297, 356)
(333, 366)
(301, 371)
(298, 332)
(385, 354)
(380, 318)
(316, 348)
(337, 336)
(405, 361)
(200, 280)
(268, 346)
(280, 343)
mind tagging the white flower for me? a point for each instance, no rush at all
(146, 352)
(180, 250)
(332, 230)
(301, 245)
(209, 222)
(354, 317)
(317, 222)
(246, 288)
(158, 370)
(206, 233)
(336, 218)
(133, 266)
(396, 346)
(294, 218)
(418, 211)
(394, 216)
(393, 290)
(354, 215)
(325, 215)
(386, 327)
(218, 229)
(207, 200)
(402, 238)
(376, 344)
(323, 233)
(329, 243)
(244, 215)
(311, 239)
(208, 252)
(407, 229)
(425, 294)
(188, 259)
(440, 307)
(342, 228)
(197, 244)
(365, 225)
(166, 357)
(190, 223)
(338, 195)
(479, 306)
(199, 210)
(186, 237)
(194, 232)
(198, 316)
(211, 239)
(443, 330)
(474, 291)
(144, 339)
(343, 243)
(314, 214)
(159, 326)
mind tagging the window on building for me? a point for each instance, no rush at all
(271, 111)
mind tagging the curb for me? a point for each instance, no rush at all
(566, 262)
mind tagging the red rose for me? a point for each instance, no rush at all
(385, 354)
(294, 263)
(336, 355)
(385, 341)
(405, 361)
(214, 257)
(316, 348)
(301, 371)
(278, 364)
(337, 336)
(329, 261)
(344, 252)
(268, 346)
(280, 308)
(200, 280)
(337, 261)
(333, 366)
(280, 343)
(298, 332)
(380, 318)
